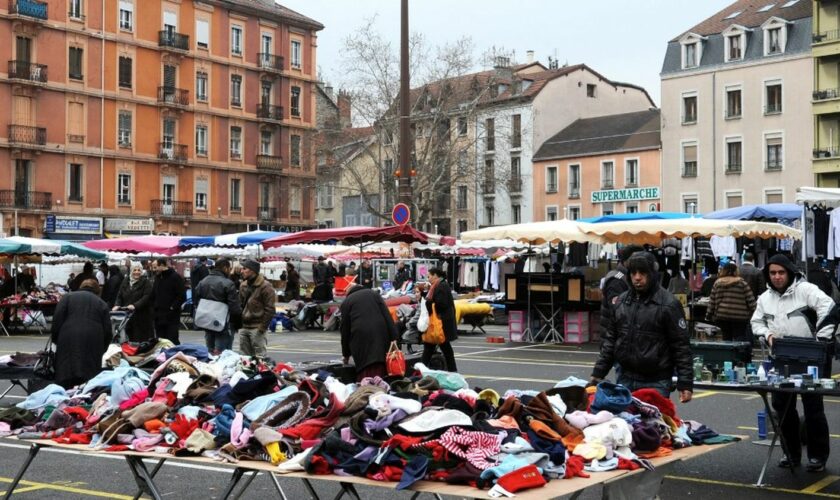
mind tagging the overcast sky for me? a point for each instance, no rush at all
(624, 40)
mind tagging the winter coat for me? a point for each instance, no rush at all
(731, 300)
(365, 276)
(216, 286)
(367, 328)
(401, 277)
(647, 335)
(754, 278)
(81, 331)
(167, 296)
(793, 313)
(112, 286)
(441, 297)
(139, 327)
(198, 273)
(257, 298)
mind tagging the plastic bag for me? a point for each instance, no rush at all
(423, 322)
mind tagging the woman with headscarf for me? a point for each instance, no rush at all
(112, 285)
(81, 331)
(135, 295)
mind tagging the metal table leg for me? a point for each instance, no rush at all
(312, 493)
(347, 489)
(158, 465)
(777, 434)
(245, 486)
(144, 481)
(33, 451)
(277, 486)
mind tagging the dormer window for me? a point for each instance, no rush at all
(692, 50)
(774, 41)
(775, 36)
(735, 49)
(691, 55)
(736, 42)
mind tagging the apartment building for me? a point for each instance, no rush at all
(736, 108)
(825, 48)
(182, 117)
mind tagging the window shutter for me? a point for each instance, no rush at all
(202, 32)
(127, 6)
(169, 76)
(690, 153)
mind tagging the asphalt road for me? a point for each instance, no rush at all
(728, 472)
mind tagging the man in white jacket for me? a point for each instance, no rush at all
(792, 307)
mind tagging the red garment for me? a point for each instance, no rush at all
(402, 442)
(574, 467)
(312, 428)
(386, 473)
(183, 426)
(135, 399)
(73, 438)
(522, 479)
(118, 447)
(320, 466)
(154, 426)
(665, 405)
(77, 411)
(623, 463)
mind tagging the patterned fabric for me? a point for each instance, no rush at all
(474, 447)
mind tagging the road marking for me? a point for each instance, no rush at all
(704, 394)
(31, 486)
(514, 379)
(822, 483)
(835, 436)
(24, 490)
(749, 486)
(529, 363)
(502, 349)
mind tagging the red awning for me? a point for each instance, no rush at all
(350, 236)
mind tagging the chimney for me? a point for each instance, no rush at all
(502, 67)
(529, 56)
(328, 89)
(344, 109)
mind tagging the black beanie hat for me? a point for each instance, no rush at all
(781, 260)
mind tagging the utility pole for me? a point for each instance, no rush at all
(405, 111)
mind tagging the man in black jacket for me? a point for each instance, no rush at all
(615, 282)
(199, 272)
(367, 330)
(217, 287)
(167, 297)
(646, 334)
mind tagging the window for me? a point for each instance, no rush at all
(201, 140)
(168, 191)
(201, 189)
(690, 203)
(690, 58)
(389, 167)
(235, 200)
(631, 173)
(516, 212)
(551, 212)
(462, 226)
(489, 176)
(125, 72)
(202, 33)
(265, 92)
(489, 215)
(733, 103)
(76, 9)
(774, 196)
(574, 181)
(462, 125)
(461, 198)
(574, 212)
(607, 208)
(325, 196)
(74, 185)
(295, 101)
(76, 122)
(490, 134)
(734, 199)
(295, 201)
(734, 47)
(551, 179)
(607, 175)
(124, 136)
(265, 142)
(590, 90)
(773, 98)
(463, 164)
(236, 40)
(267, 46)
(689, 160)
(124, 188)
(516, 136)
(235, 143)
(775, 37)
(296, 53)
(689, 110)
(294, 150)
(76, 63)
(126, 15)
(236, 90)
(631, 207)
(767, 7)
(733, 155)
(515, 174)
(201, 86)
(775, 154)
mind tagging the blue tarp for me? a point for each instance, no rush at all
(751, 212)
(637, 216)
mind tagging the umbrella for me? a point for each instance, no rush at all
(350, 236)
(19, 245)
(229, 240)
(166, 245)
(654, 231)
(636, 216)
(537, 233)
(766, 211)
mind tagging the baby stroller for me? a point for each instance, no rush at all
(119, 321)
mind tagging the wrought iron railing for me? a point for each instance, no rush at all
(13, 198)
(169, 151)
(171, 208)
(270, 112)
(173, 96)
(25, 70)
(267, 213)
(29, 8)
(270, 61)
(269, 163)
(23, 134)
(173, 40)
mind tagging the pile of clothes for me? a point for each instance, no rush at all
(50, 295)
(430, 426)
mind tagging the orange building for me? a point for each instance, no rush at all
(600, 166)
(184, 117)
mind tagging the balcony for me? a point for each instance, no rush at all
(270, 62)
(734, 168)
(172, 40)
(35, 200)
(270, 112)
(689, 169)
(826, 153)
(294, 213)
(22, 134)
(267, 214)
(461, 204)
(574, 193)
(27, 71)
(825, 36)
(515, 185)
(171, 96)
(551, 188)
(269, 164)
(29, 8)
(773, 166)
(171, 152)
(488, 188)
(825, 94)
(170, 208)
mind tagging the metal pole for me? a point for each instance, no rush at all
(405, 110)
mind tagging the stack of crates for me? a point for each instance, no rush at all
(516, 325)
(594, 326)
(576, 327)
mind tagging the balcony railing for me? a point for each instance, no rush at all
(515, 185)
(36, 200)
(574, 193)
(267, 213)
(773, 108)
(25, 70)
(77, 138)
(173, 40)
(607, 184)
(29, 8)
(826, 153)
(294, 213)
(461, 205)
(689, 169)
(825, 36)
(170, 151)
(551, 188)
(489, 187)
(270, 62)
(173, 96)
(171, 208)
(825, 94)
(771, 166)
(269, 163)
(734, 168)
(270, 112)
(22, 134)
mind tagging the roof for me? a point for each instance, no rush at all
(350, 143)
(604, 134)
(750, 15)
(271, 7)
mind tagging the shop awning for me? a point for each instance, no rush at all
(654, 231)
(19, 245)
(537, 233)
(787, 211)
(166, 245)
(350, 236)
(230, 240)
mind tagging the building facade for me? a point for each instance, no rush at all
(825, 49)
(196, 115)
(736, 108)
(600, 166)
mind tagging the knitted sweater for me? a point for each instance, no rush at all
(731, 299)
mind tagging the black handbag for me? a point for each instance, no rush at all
(45, 366)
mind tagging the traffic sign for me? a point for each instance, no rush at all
(401, 214)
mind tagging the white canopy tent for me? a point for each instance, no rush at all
(538, 233)
(654, 231)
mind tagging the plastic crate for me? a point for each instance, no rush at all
(716, 353)
(595, 326)
(799, 353)
(516, 325)
(576, 327)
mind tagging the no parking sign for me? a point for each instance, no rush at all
(401, 214)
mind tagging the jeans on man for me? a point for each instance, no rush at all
(664, 387)
(252, 342)
(217, 342)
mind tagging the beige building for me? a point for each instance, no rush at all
(736, 108)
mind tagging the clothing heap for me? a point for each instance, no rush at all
(41, 296)
(430, 426)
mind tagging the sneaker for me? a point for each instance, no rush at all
(787, 463)
(815, 465)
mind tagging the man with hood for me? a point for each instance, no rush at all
(615, 282)
(792, 307)
(646, 334)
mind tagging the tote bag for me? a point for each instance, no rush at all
(434, 333)
(395, 361)
(211, 315)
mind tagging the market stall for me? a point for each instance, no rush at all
(163, 245)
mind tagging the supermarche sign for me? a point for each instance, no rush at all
(629, 194)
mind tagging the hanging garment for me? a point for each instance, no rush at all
(834, 235)
(703, 248)
(687, 249)
(723, 246)
(821, 227)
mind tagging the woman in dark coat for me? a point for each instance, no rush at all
(136, 294)
(81, 331)
(112, 285)
(440, 295)
(367, 330)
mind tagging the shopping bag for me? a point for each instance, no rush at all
(395, 361)
(434, 333)
(211, 315)
(423, 322)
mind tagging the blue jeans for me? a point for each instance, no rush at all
(662, 386)
(218, 341)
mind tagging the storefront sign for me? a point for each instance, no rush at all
(129, 225)
(60, 224)
(630, 194)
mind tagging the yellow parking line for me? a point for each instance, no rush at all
(704, 394)
(24, 490)
(750, 486)
(822, 483)
(66, 489)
